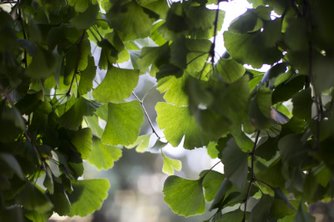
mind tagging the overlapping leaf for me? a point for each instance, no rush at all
(117, 85)
(124, 123)
(177, 123)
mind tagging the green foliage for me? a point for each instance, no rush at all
(185, 197)
(170, 165)
(85, 199)
(273, 131)
(124, 122)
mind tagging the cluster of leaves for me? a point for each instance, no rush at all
(272, 131)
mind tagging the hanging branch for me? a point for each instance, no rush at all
(252, 174)
(147, 116)
(316, 92)
(76, 71)
(215, 28)
(213, 45)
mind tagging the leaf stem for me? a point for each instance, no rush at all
(147, 116)
(209, 170)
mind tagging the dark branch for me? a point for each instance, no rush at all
(252, 174)
(76, 71)
(215, 28)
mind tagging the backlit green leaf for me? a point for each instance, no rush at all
(172, 88)
(142, 143)
(85, 199)
(79, 5)
(109, 153)
(256, 48)
(230, 70)
(130, 21)
(124, 123)
(170, 165)
(211, 184)
(117, 85)
(184, 197)
(177, 123)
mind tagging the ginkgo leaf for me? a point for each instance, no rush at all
(82, 141)
(12, 163)
(211, 184)
(177, 123)
(124, 123)
(235, 164)
(60, 201)
(109, 153)
(87, 18)
(184, 197)
(130, 20)
(170, 165)
(172, 88)
(212, 150)
(85, 199)
(43, 64)
(86, 77)
(117, 85)
(255, 48)
(73, 117)
(79, 5)
(34, 199)
(230, 70)
(142, 143)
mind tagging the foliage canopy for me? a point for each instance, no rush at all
(273, 131)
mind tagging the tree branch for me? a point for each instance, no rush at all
(76, 71)
(252, 174)
(213, 45)
(215, 28)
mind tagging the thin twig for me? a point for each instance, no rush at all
(147, 116)
(317, 93)
(252, 174)
(209, 170)
(76, 71)
(148, 92)
(213, 45)
(215, 28)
